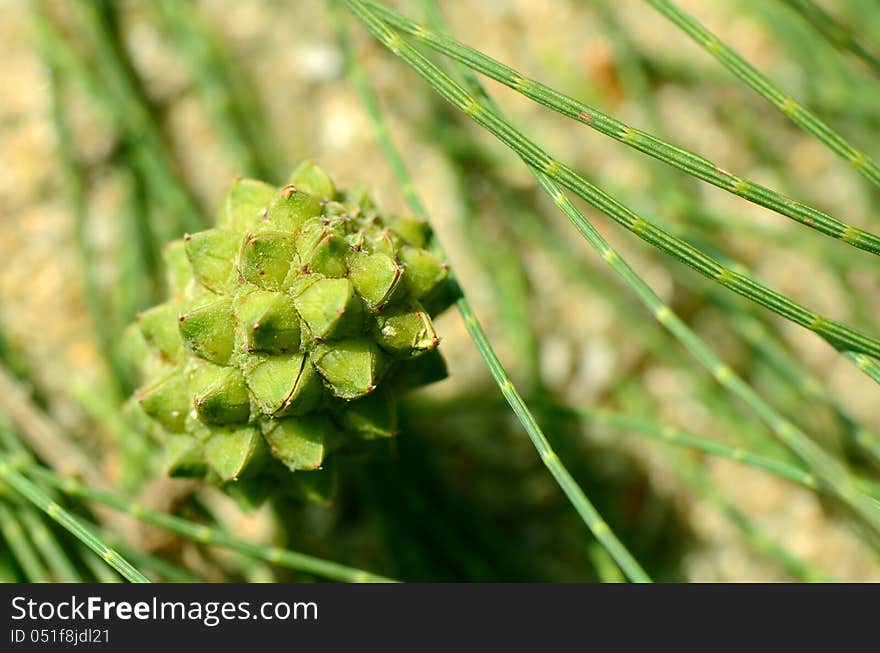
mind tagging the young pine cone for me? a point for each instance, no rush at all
(289, 330)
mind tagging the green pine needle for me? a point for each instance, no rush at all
(588, 513)
(826, 467)
(689, 162)
(794, 110)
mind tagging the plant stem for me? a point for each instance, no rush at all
(796, 112)
(165, 569)
(750, 327)
(825, 467)
(503, 265)
(588, 513)
(99, 569)
(693, 474)
(689, 162)
(721, 274)
(838, 335)
(753, 331)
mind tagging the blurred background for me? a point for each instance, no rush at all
(123, 123)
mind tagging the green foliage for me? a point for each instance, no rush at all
(290, 331)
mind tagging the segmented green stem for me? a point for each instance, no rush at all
(751, 329)
(667, 434)
(795, 111)
(592, 279)
(597, 526)
(825, 467)
(44, 539)
(754, 331)
(163, 568)
(606, 569)
(833, 88)
(865, 364)
(503, 268)
(503, 265)
(652, 145)
(99, 569)
(588, 513)
(838, 335)
(636, 82)
(701, 482)
(201, 533)
(36, 496)
(513, 79)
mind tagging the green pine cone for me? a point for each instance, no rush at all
(282, 327)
